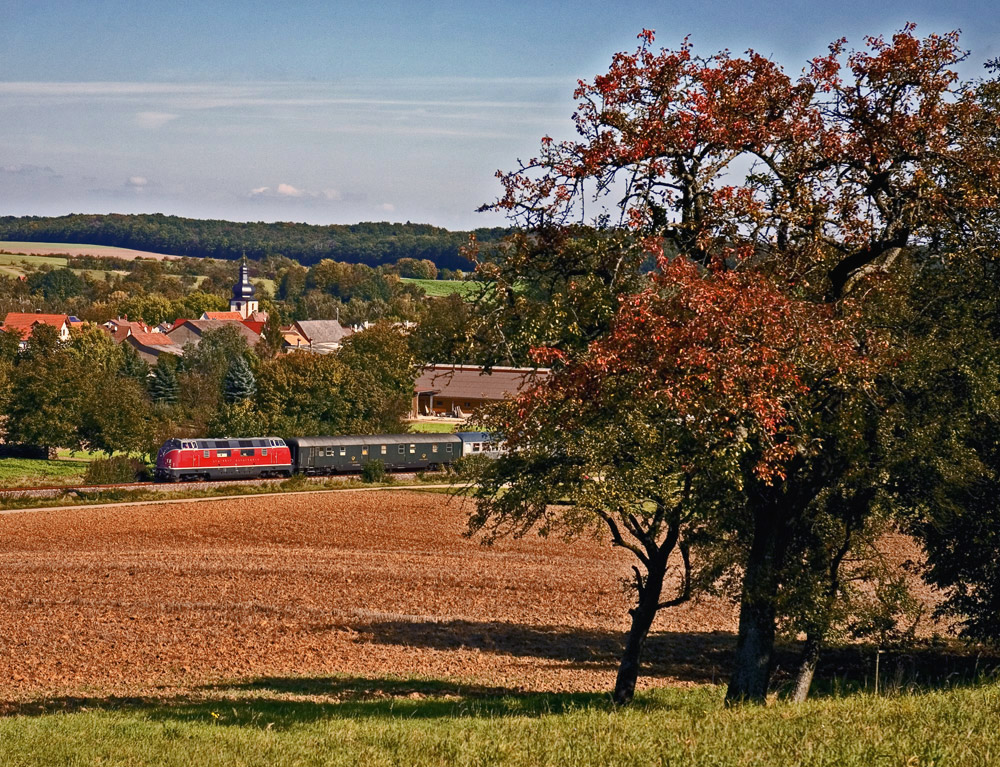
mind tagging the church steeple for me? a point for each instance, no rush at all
(244, 298)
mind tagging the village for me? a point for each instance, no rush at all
(441, 393)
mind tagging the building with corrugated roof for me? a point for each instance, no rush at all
(458, 390)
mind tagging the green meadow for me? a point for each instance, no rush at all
(351, 721)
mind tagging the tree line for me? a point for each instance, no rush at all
(93, 394)
(373, 243)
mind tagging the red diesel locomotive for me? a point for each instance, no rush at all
(181, 459)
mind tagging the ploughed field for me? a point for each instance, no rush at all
(130, 600)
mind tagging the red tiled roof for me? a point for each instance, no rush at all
(22, 323)
(224, 316)
(256, 327)
(153, 339)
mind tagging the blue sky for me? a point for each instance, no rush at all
(338, 112)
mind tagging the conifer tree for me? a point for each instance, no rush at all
(239, 384)
(163, 385)
(133, 366)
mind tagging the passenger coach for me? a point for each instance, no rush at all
(332, 455)
(183, 459)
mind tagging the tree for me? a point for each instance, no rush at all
(133, 366)
(48, 386)
(163, 385)
(239, 384)
(867, 155)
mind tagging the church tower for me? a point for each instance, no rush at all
(244, 298)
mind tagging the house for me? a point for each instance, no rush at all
(320, 336)
(121, 328)
(191, 331)
(222, 316)
(293, 338)
(461, 389)
(151, 345)
(22, 323)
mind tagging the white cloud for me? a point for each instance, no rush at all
(137, 184)
(287, 190)
(284, 190)
(154, 120)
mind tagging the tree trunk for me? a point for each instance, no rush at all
(807, 667)
(755, 644)
(642, 618)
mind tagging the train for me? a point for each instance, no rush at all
(263, 457)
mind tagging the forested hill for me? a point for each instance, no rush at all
(366, 243)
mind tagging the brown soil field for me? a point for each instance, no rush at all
(62, 249)
(128, 600)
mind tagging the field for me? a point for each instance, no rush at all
(362, 627)
(71, 249)
(15, 265)
(31, 472)
(439, 288)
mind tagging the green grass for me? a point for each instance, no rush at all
(348, 721)
(439, 288)
(427, 427)
(34, 472)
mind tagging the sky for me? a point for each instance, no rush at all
(337, 112)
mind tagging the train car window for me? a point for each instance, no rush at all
(434, 448)
(263, 451)
(343, 451)
(384, 449)
(205, 453)
(329, 451)
(364, 451)
(447, 448)
(246, 443)
(246, 452)
(413, 449)
(221, 453)
(402, 449)
(475, 447)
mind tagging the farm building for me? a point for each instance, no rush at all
(151, 345)
(191, 331)
(320, 336)
(460, 389)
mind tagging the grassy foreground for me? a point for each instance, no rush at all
(343, 721)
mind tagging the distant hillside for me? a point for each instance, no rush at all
(366, 243)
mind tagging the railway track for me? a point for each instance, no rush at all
(167, 487)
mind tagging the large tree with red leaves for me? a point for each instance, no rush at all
(715, 343)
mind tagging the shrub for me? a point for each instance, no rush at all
(373, 471)
(119, 468)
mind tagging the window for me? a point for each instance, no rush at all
(475, 447)
(413, 449)
(263, 451)
(329, 451)
(402, 449)
(434, 448)
(221, 453)
(384, 449)
(364, 451)
(343, 451)
(447, 448)
(204, 453)
(246, 443)
(246, 452)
